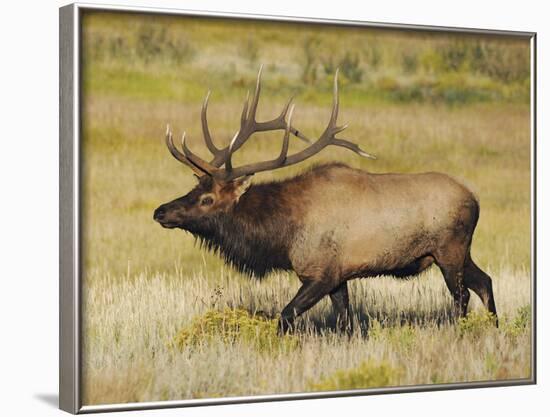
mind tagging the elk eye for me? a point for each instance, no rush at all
(206, 201)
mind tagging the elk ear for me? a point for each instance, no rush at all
(241, 185)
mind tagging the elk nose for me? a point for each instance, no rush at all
(159, 213)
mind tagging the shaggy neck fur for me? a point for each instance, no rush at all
(255, 235)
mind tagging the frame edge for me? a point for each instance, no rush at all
(69, 269)
(534, 247)
(68, 301)
(167, 10)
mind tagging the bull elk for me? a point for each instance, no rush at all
(330, 224)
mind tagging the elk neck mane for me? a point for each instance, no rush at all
(256, 234)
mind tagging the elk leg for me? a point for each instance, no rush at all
(307, 296)
(480, 283)
(340, 301)
(454, 278)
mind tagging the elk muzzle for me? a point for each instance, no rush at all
(166, 217)
(159, 214)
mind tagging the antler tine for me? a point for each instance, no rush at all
(335, 100)
(205, 131)
(280, 123)
(352, 147)
(229, 173)
(228, 164)
(178, 155)
(284, 112)
(337, 129)
(196, 160)
(249, 125)
(245, 110)
(256, 98)
(284, 150)
(326, 138)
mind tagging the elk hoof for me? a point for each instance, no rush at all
(285, 326)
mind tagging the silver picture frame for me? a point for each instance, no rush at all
(70, 155)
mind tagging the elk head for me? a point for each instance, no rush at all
(220, 184)
(208, 198)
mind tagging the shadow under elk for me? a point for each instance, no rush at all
(331, 223)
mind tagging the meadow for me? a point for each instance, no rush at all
(165, 320)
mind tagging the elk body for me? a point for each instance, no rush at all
(329, 224)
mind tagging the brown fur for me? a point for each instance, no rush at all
(334, 223)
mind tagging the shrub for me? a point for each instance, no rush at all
(367, 375)
(506, 62)
(431, 61)
(448, 88)
(309, 54)
(375, 330)
(329, 65)
(520, 323)
(503, 61)
(349, 66)
(153, 42)
(373, 55)
(118, 47)
(402, 337)
(476, 323)
(387, 84)
(492, 364)
(149, 41)
(234, 325)
(179, 50)
(251, 51)
(409, 62)
(454, 54)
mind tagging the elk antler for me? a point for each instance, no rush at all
(249, 126)
(179, 156)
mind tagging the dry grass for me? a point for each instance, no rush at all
(144, 285)
(131, 325)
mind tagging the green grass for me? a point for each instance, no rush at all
(169, 57)
(476, 323)
(366, 375)
(443, 108)
(232, 326)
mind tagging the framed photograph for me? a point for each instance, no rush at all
(258, 208)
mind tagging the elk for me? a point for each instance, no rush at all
(330, 224)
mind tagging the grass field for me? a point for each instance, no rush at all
(419, 102)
